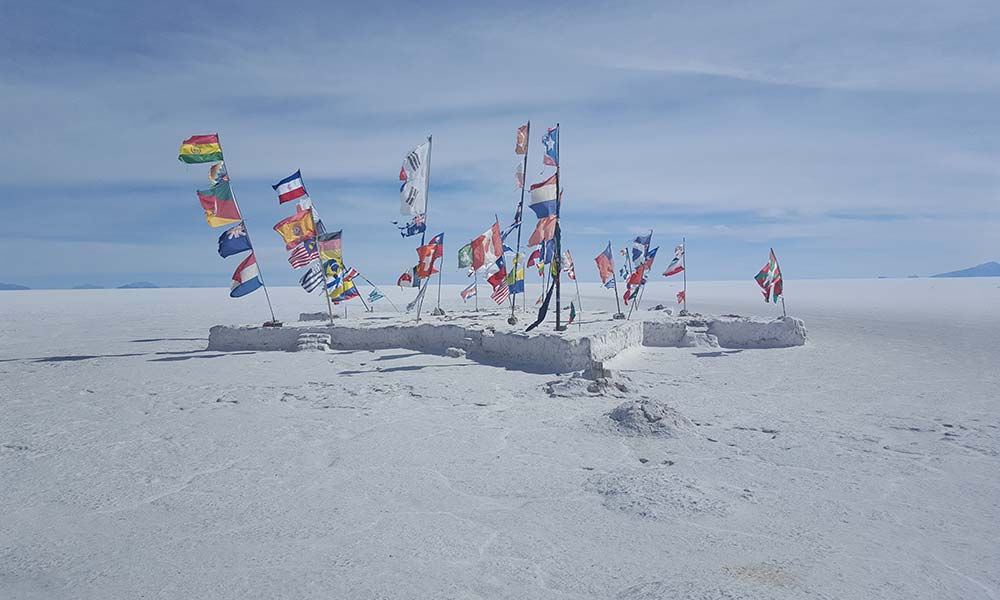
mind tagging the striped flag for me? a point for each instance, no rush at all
(350, 274)
(568, 265)
(501, 293)
(291, 188)
(304, 253)
(312, 278)
(469, 292)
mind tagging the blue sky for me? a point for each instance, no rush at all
(856, 138)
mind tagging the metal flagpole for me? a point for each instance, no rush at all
(273, 322)
(427, 185)
(558, 251)
(520, 214)
(614, 279)
(684, 260)
(360, 297)
(475, 281)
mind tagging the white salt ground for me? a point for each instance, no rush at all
(134, 463)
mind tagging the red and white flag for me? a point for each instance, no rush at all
(522, 140)
(568, 265)
(303, 254)
(487, 247)
(291, 188)
(681, 296)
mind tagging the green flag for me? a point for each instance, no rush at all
(465, 256)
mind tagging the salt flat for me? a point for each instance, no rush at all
(134, 463)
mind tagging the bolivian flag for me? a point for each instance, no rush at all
(201, 148)
(219, 204)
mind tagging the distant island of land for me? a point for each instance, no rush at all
(987, 269)
(88, 286)
(12, 286)
(138, 285)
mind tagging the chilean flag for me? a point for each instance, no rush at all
(291, 188)
(246, 278)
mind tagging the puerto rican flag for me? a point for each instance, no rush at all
(291, 188)
(246, 278)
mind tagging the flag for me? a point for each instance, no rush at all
(606, 265)
(487, 247)
(427, 254)
(246, 278)
(312, 278)
(416, 300)
(676, 265)
(200, 149)
(296, 228)
(681, 296)
(234, 240)
(351, 274)
(374, 296)
(551, 142)
(501, 294)
(515, 280)
(217, 173)
(413, 227)
(469, 292)
(769, 279)
(572, 313)
(405, 278)
(543, 198)
(501, 291)
(519, 177)
(640, 246)
(303, 254)
(637, 279)
(465, 256)
(545, 230)
(544, 308)
(610, 284)
(548, 251)
(219, 204)
(522, 140)
(291, 188)
(535, 257)
(329, 246)
(568, 265)
(344, 290)
(413, 174)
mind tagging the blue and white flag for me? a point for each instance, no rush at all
(413, 227)
(234, 240)
(375, 296)
(312, 278)
(640, 247)
(551, 142)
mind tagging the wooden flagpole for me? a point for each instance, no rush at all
(520, 214)
(273, 322)
(322, 268)
(558, 250)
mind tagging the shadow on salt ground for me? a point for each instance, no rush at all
(201, 339)
(195, 354)
(76, 357)
(715, 354)
(397, 369)
(395, 356)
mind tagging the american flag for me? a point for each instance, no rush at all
(501, 293)
(303, 254)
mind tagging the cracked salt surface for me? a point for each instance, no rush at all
(862, 465)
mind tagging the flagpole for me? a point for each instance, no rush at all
(427, 186)
(558, 250)
(475, 281)
(642, 285)
(322, 269)
(260, 274)
(361, 297)
(684, 261)
(368, 281)
(520, 214)
(614, 278)
(778, 267)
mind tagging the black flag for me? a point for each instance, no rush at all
(544, 308)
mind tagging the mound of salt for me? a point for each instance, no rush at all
(650, 417)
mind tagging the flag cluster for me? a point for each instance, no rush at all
(221, 209)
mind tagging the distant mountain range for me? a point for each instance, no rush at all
(987, 269)
(138, 285)
(13, 286)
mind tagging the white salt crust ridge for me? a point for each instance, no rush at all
(541, 352)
